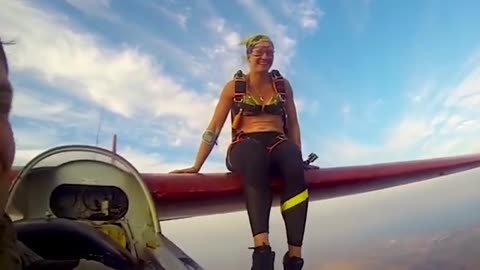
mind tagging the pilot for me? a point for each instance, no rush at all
(266, 135)
(13, 254)
(9, 258)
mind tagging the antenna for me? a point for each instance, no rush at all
(100, 122)
(114, 147)
(114, 144)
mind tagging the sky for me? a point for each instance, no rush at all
(374, 81)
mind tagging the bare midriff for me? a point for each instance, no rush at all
(262, 123)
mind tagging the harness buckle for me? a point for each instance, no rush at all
(238, 97)
(240, 87)
(276, 74)
(279, 85)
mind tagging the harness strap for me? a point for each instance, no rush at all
(236, 139)
(241, 136)
(279, 84)
(279, 140)
(239, 98)
(240, 87)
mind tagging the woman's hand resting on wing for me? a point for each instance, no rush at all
(192, 169)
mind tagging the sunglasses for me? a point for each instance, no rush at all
(262, 51)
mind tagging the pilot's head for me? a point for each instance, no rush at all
(7, 146)
(3, 65)
(5, 87)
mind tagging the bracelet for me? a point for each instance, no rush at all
(209, 137)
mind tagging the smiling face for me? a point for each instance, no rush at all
(260, 54)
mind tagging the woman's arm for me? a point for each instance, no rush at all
(292, 119)
(209, 137)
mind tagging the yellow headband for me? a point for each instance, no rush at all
(253, 40)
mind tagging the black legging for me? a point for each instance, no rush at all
(251, 158)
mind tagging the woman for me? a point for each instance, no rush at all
(262, 114)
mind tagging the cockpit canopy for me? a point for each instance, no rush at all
(87, 184)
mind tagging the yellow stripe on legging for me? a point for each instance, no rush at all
(295, 200)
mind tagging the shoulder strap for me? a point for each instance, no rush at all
(238, 98)
(240, 86)
(279, 84)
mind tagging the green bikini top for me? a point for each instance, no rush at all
(251, 100)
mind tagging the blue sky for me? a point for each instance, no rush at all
(374, 81)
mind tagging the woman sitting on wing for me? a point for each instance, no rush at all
(263, 110)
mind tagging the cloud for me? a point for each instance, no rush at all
(346, 111)
(80, 75)
(100, 8)
(358, 14)
(306, 14)
(467, 94)
(85, 74)
(226, 52)
(419, 95)
(103, 10)
(125, 81)
(179, 18)
(35, 137)
(284, 43)
(48, 110)
(144, 35)
(437, 122)
(372, 108)
(37, 141)
(158, 94)
(155, 163)
(143, 161)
